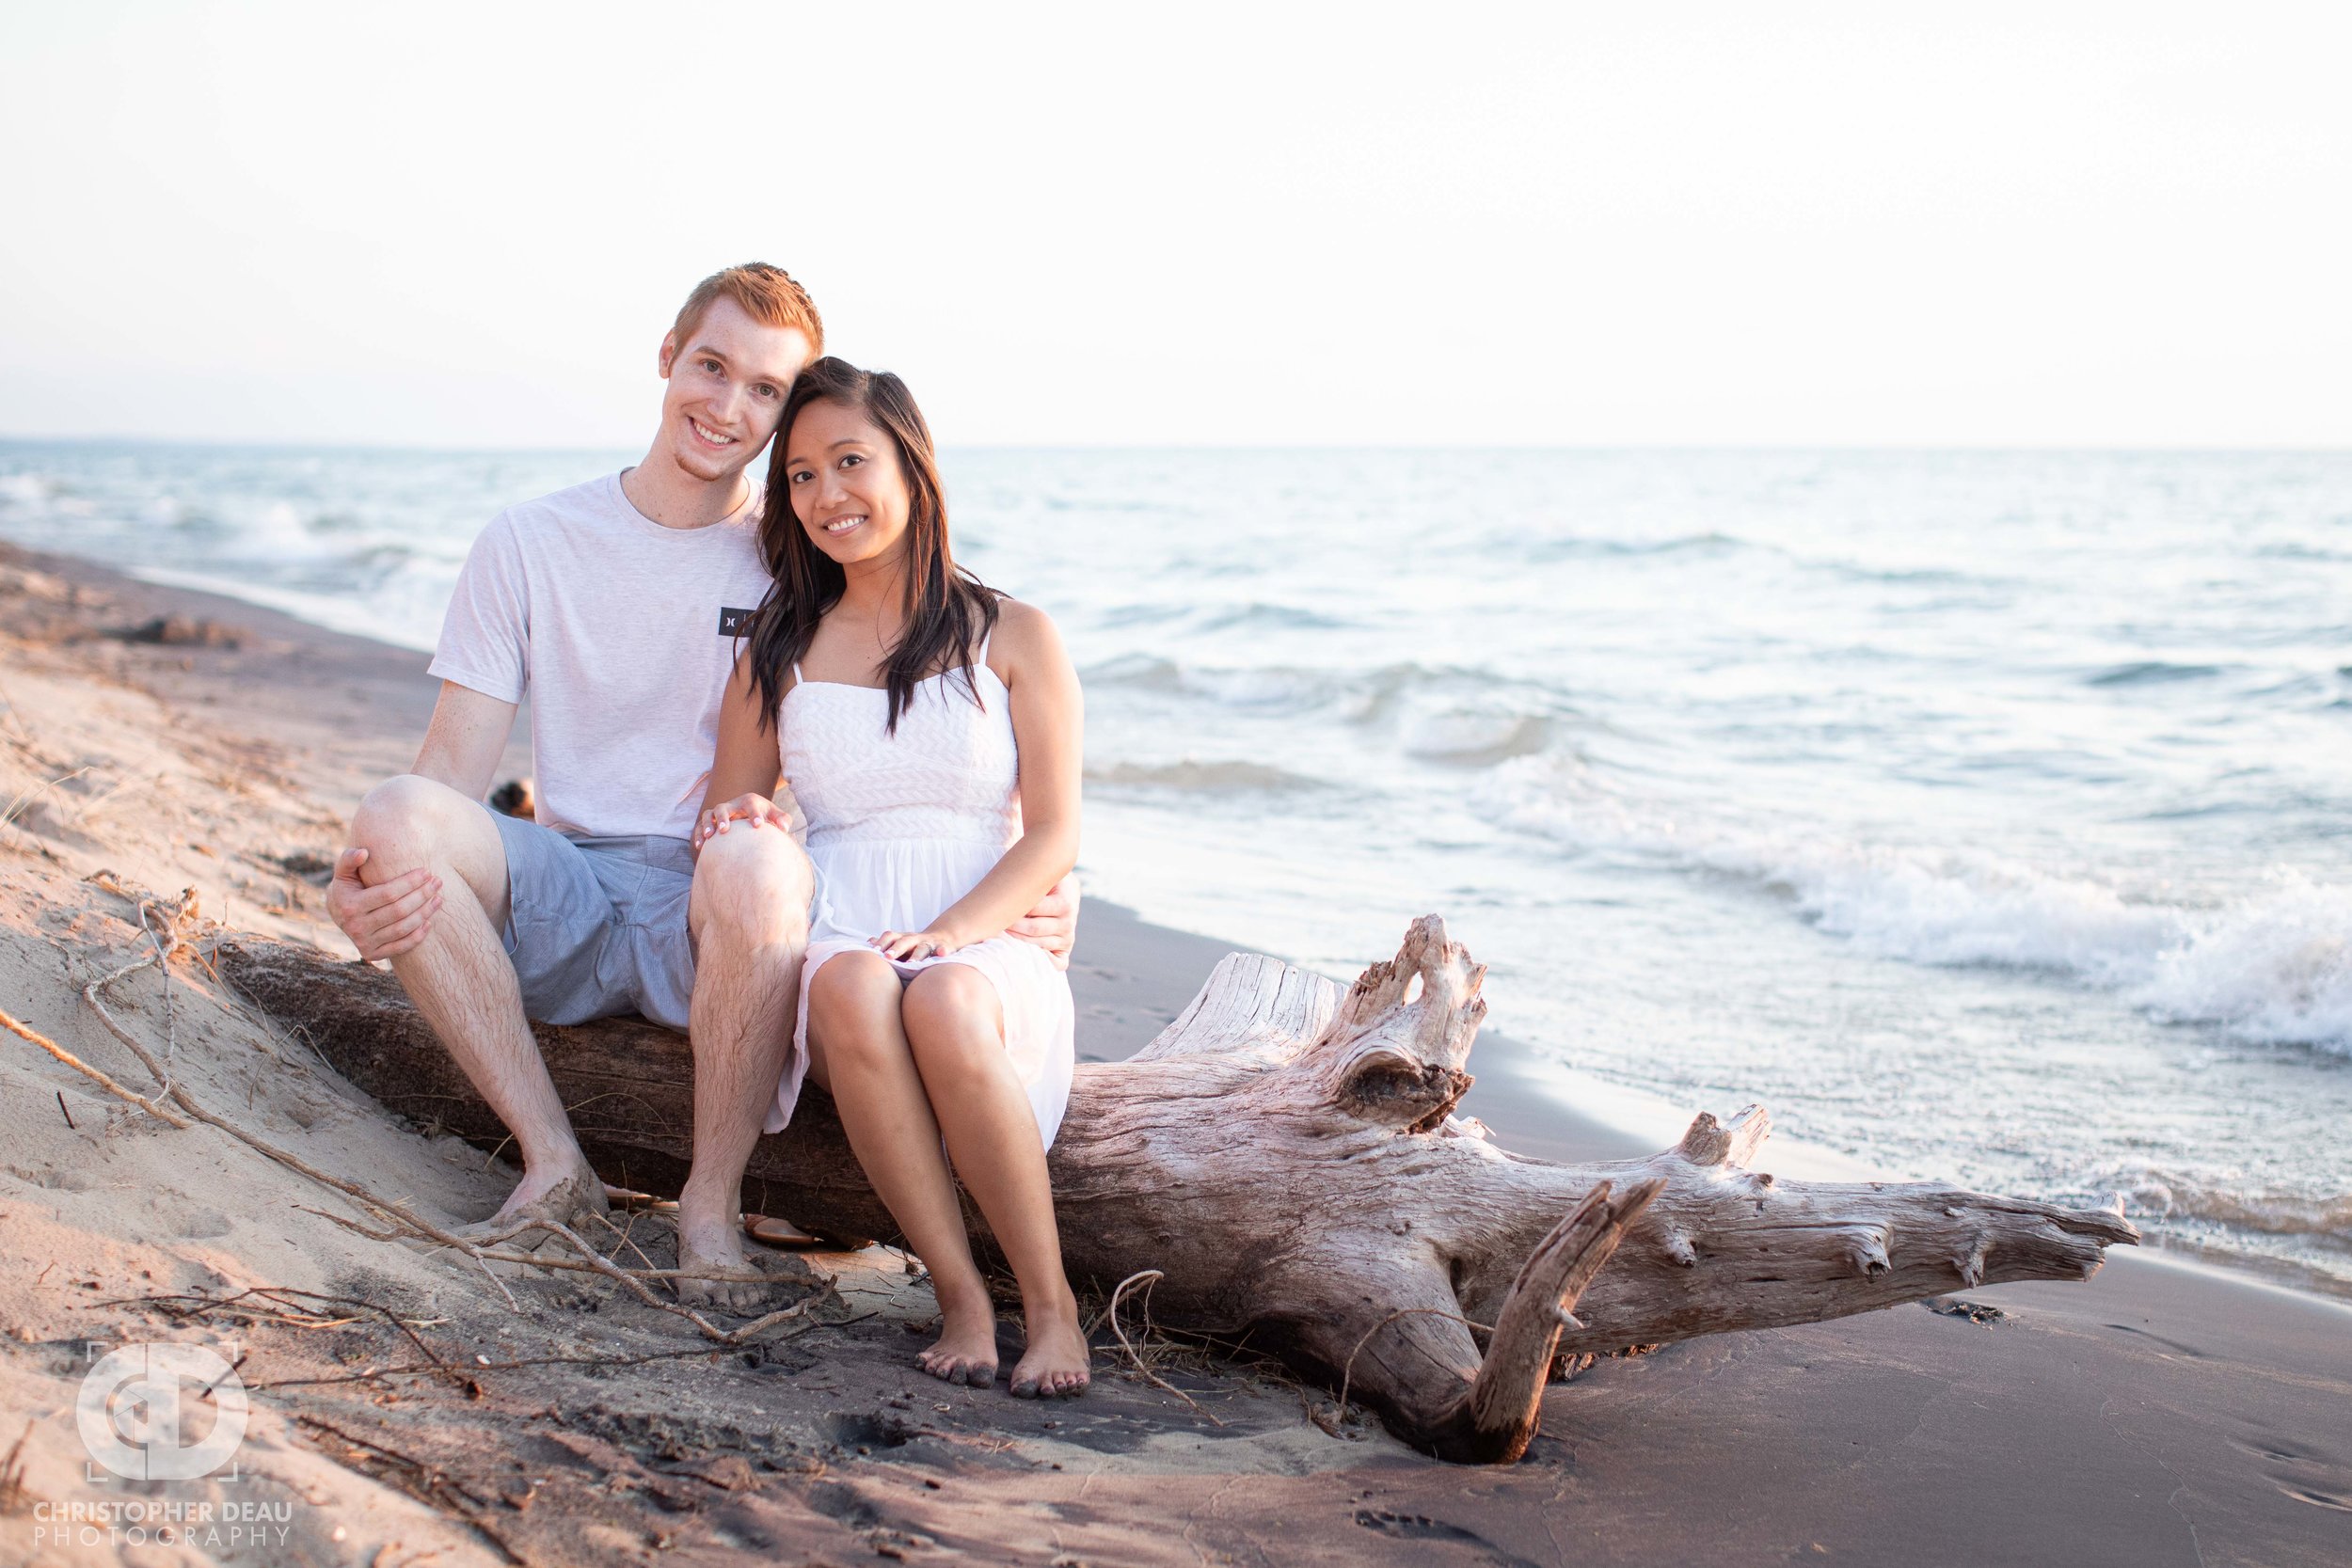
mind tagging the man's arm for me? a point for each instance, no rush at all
(465, 741)
(461, 751)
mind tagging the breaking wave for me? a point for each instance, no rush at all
(2274, 967)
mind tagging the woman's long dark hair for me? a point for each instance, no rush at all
(948, 612)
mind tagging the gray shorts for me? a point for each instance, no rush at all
(597, 925)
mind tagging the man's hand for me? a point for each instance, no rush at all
(385, 919)
(1054, 924)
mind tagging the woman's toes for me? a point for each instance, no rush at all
(980, 1374)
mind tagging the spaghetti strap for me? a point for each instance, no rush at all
(797, 677)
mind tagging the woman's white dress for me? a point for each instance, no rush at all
(900, 827)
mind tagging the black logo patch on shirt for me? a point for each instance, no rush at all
(732, 622)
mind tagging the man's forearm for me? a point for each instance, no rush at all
(468, 776)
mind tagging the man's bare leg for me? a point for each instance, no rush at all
(462, 981)
(749, 915)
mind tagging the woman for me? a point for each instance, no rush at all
(929, 729)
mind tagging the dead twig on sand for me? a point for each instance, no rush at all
(21, 736)
(13, 1493)
(629, 1241)
(373, 1373)
(24, 801)
(421, 1479)
(295, 1317)
(1147, 1276)
(402, 1220)
(16, 1026)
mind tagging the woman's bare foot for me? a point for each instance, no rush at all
(965, 1351)
(1055, 1365)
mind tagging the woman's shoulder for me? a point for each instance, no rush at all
(1023, 622)
(1025, 636)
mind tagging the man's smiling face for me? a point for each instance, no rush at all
(727, 386)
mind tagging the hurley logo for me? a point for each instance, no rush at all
(732, 622)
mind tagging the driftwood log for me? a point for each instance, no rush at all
(1287, 1155)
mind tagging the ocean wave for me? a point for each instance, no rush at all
(1142, 672)
(1456, 717)
(1586, 547)
(1200, 777)
(1476, 739)
(2270, 1211)
(1270, 617)
(1279, 687)
(2292, 551)
(28, 488)
(2153, 671)
(2275, 967)
(1929, 577)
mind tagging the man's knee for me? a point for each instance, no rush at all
(403, 823)
(754, 882)
(407, 822)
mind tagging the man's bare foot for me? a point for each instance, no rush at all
(718, 1250)
(566, 1196)
(965, 1351)
(1055, 1365)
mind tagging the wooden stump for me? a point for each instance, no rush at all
(1286, 1155)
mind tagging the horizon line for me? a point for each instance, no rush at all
(1952, 448)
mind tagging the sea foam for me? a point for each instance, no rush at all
(2274, 966)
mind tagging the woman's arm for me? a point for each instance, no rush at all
(1049, 726)
(744, 773)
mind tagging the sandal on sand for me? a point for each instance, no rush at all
(784, 1233)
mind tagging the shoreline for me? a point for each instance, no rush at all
(2157, 1414)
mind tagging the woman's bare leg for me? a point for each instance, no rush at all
(858, 1051)
(955, 1027)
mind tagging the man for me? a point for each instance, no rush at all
(615, 606)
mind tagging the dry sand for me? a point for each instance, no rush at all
(2158, 1414)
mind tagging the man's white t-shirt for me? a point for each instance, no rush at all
(623, 632)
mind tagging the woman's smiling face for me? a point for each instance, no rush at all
(847, 488)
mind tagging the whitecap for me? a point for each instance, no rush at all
(2274, 967)
(1469, 739)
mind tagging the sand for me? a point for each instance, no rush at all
(2160, 1414)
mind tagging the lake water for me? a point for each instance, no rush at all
(1988, 815)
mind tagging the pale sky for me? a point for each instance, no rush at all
(1264, 223)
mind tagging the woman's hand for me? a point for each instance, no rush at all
(753, 809)
(907, 946)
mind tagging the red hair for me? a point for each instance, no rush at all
(767, 295)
